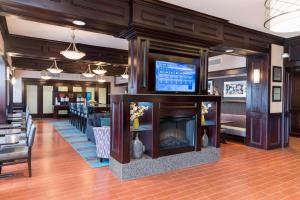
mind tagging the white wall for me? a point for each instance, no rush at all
(18, 87)
(227, 62)
(276, 60)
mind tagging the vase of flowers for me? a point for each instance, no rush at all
(136, 112)
(204, 110)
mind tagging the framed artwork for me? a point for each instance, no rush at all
(235, 89)
(276, 94)
(210, 87)
(120, 81)
(277, 74)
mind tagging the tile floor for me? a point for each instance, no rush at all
(242, 173)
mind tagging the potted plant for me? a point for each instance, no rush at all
(136, 111)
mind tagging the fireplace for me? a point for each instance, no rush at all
(177, 134)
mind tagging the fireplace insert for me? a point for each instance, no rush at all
(177, 133)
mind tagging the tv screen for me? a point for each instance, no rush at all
(174, 77)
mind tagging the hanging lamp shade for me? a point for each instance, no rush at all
(282, 16)
(101, 79)
(125, 75)
(54, 68)
(72, 52)
(45, 75)
(99, 70)
(88, 73)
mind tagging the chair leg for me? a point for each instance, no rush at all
(29, 167)
(0, 168)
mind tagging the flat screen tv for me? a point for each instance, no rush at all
(175, 77)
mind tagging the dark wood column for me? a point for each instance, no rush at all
(3, 83)
(258, 102)
(203, 71)
(138, 64)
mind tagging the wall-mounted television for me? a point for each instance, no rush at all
(175, 77)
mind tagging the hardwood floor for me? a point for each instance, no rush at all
(242, 173)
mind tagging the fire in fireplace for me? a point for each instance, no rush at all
(177, 132)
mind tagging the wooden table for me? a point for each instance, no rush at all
(9, 126)
(9, 139)
(4, 132)
(57, 108)
(13, 115)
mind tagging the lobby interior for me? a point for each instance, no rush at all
(149, 99)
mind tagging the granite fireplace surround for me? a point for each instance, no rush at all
(170, 129)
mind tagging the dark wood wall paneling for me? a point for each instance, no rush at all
(3, 90)
(292, 82)
(5, 86)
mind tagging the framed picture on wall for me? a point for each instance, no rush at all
(120, 81)
(277, 74)
(210, 87)
(236, 89)
(276, 94)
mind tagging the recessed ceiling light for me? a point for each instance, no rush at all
(78, 22)
(229, 50)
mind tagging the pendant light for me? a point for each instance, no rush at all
(72, 52)
(101, 79)
(13, 78)
(45, 75)
(54, 68)
(125, 75)
(282, 16)
(100, 70)
(88, 73)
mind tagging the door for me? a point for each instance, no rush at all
(102, 96)
(47, 102)
(32, 99)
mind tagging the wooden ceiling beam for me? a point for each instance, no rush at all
(28, 47)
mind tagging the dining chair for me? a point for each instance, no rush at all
(18, 154)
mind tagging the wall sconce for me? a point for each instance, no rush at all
(256, 76)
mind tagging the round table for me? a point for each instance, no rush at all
(9, 139)
(9, 126)
(10, 131)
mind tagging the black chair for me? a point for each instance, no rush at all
(18, 154)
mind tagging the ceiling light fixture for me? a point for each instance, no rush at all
(100, 70)
(88, 73)
(125, 75)
(54, 68)
(101, 79)
(13, 79)
(78, 22)
(285, 55)
(282, 16)
(229, 50)
(72, 52)
(45, 75)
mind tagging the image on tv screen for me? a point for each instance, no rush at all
(174, 77)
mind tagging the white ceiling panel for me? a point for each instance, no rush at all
(28, 28)
(247, 13)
